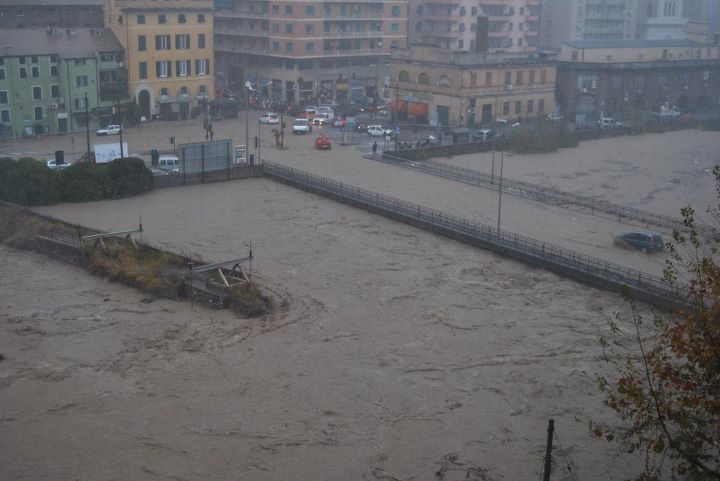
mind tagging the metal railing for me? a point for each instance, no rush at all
(652, 289)
(542, 194)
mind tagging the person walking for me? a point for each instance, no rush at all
(374, 148)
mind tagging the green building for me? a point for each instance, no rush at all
(46, 74)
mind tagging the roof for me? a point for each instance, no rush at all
(632, 43)
(56, 3)
(77, 42)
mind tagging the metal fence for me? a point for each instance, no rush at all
(541, 194)
(652, 289)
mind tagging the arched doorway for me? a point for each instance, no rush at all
(144, 103)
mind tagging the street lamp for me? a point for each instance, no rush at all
(87, 127)
(248, 89)
(120, 124)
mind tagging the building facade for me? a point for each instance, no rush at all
(662, 20)
(468, 89)
(46, 76)
(51, 13)
(569, 20)
(169, 54)
(628, 79)
(308, 51)
(508, 25)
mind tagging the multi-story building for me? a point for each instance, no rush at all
(46, 77)
(431, 85)
(662, 20)
(310, 50)
(51, 13)
(511, 25)
(626, 78)
(169, 53)
(569, 20)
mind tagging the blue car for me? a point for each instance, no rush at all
(642, 240)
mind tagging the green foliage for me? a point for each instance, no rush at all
(128, 177)
(28, 182)
(546, 136)
(668, 388)
(83, 182)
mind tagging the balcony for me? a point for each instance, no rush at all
(351, 34)
(234, 14)
(353, 52)
(356, 16)
(112, 90)
(531, 33)
(242, 32)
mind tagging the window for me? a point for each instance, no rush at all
(182, 42)
(276, 10)
(461, 43)
(4, 116)
(289, 47)
(79, 103)
(473, 11)
(518, 107)
(444, 81)
(202, 90)
(395, 27)
(589, 82)
(396, 11)
(20, 13)
(616, 82)
(143, 70)
(520, 42)
(181, 18)
(81, 81)
(164, 91)
(530, 106)
(488, 79)
(39, 113)
(201, 18)
(162, 42)
(684, 77)
(403, 76)
(663, 79)
(574, 55)
(202, 67)
(288, 9)
(183, 90)
(53, 71)
(508, 78)
(22, 60)
(462, 12)
(2, 73)
(79, 61)
(309, 28)
(506, 108)
(521, 26)
(423, 79)
(288, 28)
(23, 72)
(182, 68)
(141, 19)
(162, 18)
(3, 96)
(510, 27)
(276, 28)
(310, 47)
(37, 93)
(541, 106)
(519, 77)
(35, 72)
(142, 45)
(276, 46)
(461, 27)
(543, 76)
(53, 59)
(201, 40)
(162, 69)
(107, 57)
(639, 82)
(34, 59)
(310, 10)
(531, 77)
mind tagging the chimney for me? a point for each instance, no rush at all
(481, 35)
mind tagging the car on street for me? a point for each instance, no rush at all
(52, 165)
(323, 142)
(379, 131)
(269, 118)
(339, 122)
(302, 126)
(108, 130)
(169, 163)
(610, 123)
(483, 135)
(555, 116)
(642, 240)
(321, 119)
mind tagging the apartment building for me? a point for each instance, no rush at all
(51, 13)
(303, 51)
(569, 20)
(46, 76)
(466, 89)
(625, 78)
(169, 53)
(511, 25)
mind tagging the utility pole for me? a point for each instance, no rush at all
(117, 111)
(548, 450)
(87, 127)
(502, 162)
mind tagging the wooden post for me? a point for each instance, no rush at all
(548, 450)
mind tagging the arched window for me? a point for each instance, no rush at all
(444, 81)
(403, 76)
(423, 79)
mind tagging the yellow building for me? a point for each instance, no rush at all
(169, 53)
(468, 89)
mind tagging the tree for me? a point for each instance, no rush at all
(668, 389)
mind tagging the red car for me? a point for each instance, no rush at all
(323, 143)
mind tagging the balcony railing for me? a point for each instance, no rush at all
(233, 14)
(354, 16)
(351, 34)
(242, 32)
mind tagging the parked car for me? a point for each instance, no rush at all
(52, 165)
(555, 116)
(610, 123)
(361, 127)
(323, 142)
(320, 119)
(109, 130)
(379, 131)
(169, 163)
(269, 118)
(643, 240)
(483, 135)
(302, 126)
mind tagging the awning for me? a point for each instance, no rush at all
(398, 106)
(418, 109)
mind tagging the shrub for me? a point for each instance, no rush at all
(128, 177)
(83, 182)
(28, 182)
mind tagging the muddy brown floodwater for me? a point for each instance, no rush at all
(400, 355)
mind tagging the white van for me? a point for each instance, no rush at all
(169, 163)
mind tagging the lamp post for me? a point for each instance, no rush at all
(87, 126)
(248, 89)
(120, 124)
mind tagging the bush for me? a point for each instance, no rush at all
(28, 182)
(83, 182)
(128, 177)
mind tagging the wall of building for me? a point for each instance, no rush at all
(27, 15)
(568, 53)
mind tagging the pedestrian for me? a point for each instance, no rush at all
(440, 138)
(374, 148)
